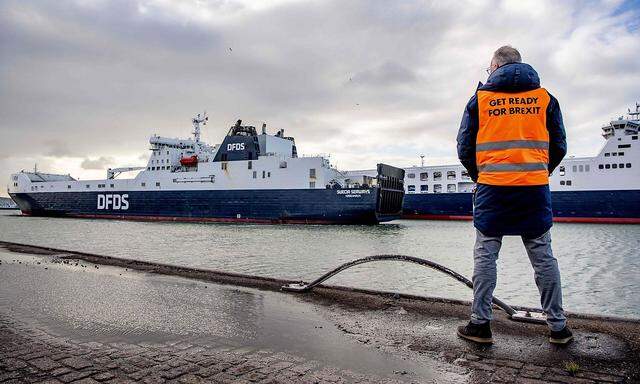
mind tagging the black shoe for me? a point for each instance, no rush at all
(480, 333)
(561, 337)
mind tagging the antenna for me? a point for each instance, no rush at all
(422, 160)
(196, 121)
(634, 115)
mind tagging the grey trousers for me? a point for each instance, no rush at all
(546, 272)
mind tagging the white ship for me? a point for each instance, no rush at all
(249, 177)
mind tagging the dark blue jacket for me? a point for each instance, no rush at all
(505, 210)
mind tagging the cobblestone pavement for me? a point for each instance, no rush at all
(58, 321)
(31, 355)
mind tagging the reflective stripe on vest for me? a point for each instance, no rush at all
(512, 146)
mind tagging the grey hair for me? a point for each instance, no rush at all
(505, 55)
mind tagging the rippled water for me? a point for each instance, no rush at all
(600, 264)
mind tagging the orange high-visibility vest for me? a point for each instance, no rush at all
(512, 147)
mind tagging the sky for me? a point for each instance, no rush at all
(84, 83)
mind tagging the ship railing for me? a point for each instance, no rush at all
(323, 155)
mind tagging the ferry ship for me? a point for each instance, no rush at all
(249, 177)
(600, 189)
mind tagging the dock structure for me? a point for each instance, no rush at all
(70, 316)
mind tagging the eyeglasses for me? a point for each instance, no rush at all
(489, 71)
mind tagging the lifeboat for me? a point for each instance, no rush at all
(190, 161)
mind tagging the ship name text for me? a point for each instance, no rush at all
(113, 201)
(235, 147)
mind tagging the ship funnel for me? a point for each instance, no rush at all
(264, 128)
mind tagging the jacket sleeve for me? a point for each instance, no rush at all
(467, 138)
(557, 136)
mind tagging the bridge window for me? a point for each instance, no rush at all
(223, 166)
(574, 168)
(88, 186)
(268, 174)
(628, 165)
(620, 153)
(465, 174)
(568, 182)
(634, 137)
(581, 168)
(614, 166)
(312, 184)
(263, 174)
(143, 184)
(562, 170)
(624, 146)
(111, 185)
(411, 175)
(607, 166)
(437, 176)
(621, 165)
(437, 188)
(424, 176)
(614, 153)
(411, 188)
(561, 182)
(312, 173)
(424, 188)
(451, 188)
(600, 166)
(157, 184)
(607, 154)
(255, 174)
(586, 168)
(249, 164)
(68, 186)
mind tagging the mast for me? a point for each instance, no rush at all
(196, 121)
(635, 115)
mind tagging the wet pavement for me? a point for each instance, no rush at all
(63, 318)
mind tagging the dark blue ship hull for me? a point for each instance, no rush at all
(568, 206)
(322, 206)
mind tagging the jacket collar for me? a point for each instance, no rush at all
(513, 77)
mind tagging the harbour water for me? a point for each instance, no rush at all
(600, 264)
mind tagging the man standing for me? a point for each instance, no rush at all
(511, 138)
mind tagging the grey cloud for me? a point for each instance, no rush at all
(389, 73)
(57, 148)
(96, 164)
